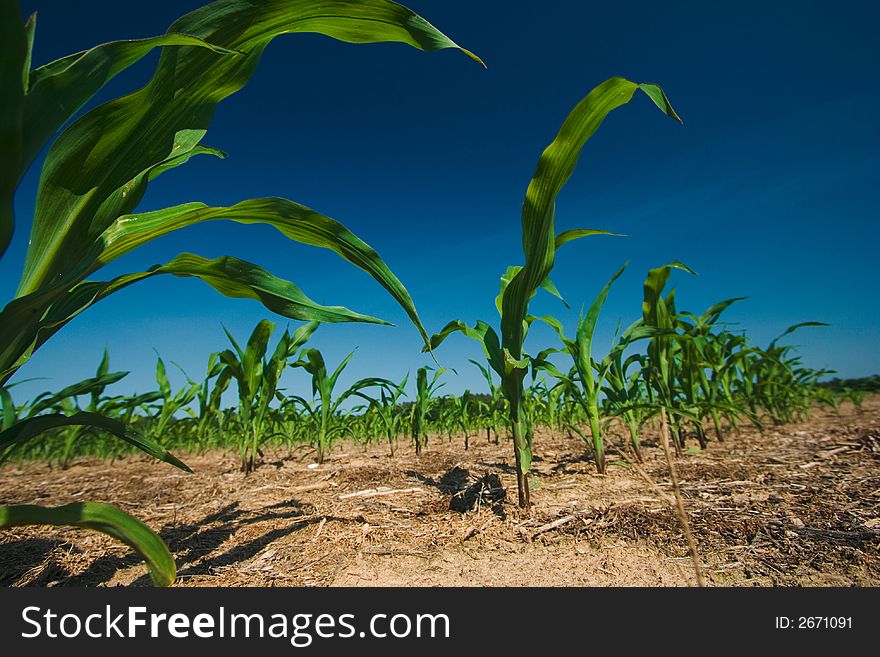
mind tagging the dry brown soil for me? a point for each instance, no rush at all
(796, 505)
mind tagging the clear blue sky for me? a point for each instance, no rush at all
(769, 190)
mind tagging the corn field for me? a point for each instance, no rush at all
(672, 370)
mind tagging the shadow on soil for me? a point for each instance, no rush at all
(189, 543)
(29, 560)
(467, 492)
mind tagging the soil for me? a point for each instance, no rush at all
(794, 505)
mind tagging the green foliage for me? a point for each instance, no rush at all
(97, 171)
(540, 243)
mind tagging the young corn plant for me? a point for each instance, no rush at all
(589, 374)
(257, 377)
(661, 366)
(624, 394)
(700, 354)
(209, 395)
(97, 171)
(388, 411)
(425, 402)
(540, 243)
(169, 402)
(456, 415)
(324, 407)
(494, 408)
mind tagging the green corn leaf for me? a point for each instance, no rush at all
(656, 93)
(57, 90)
(792, 329)
(576, 233)
(102, 518)
(481, 332)
(546, 285)
(335, 376)
(550, 286)
(97, 170)
(8, 407)
(104, 365)
(293, 220)
(255, 351)
(89, 167)
(302, 335)
(714, 311)
(554, 168)
(47, 400)
(587, 325)
(23, 431)
(358, 386)
(13, 74)
(162, 380)
(230, 276)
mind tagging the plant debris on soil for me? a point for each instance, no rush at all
(793, 505)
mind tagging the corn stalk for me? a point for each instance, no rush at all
(540, 243)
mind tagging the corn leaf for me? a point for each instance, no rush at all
(102, 518)
(94, 171)
(20, 432)
(554, 168)
(13, 71)
(23, 329)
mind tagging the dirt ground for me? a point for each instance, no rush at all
(795, 505)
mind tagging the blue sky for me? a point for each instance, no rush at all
(769, 190)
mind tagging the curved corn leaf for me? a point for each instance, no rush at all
(357, 387)
(554, 168)
(23, 330)
(653, 293)
(102, 518)
(49, 400)
(482, 333)
(56, 91)
(19, 433)
(792, 329)
(296, 222)
(14, 56)
(714, 311)
(95, 170)
(567, 236)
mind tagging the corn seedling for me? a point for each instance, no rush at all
(424, 404)
(540, 243)
(387, 411)
(324, 408)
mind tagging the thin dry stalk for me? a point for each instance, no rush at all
(679, 502)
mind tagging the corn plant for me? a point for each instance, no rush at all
(494, 408)
(97, 171)
(588, 373)
(856, 397)
(169, 402)
(387, 409)
(324, 407)
(209, 394)
(456, 415)
(624, 394)
(425, 402)
(257, 377)
(660, 370)
(540, 243)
